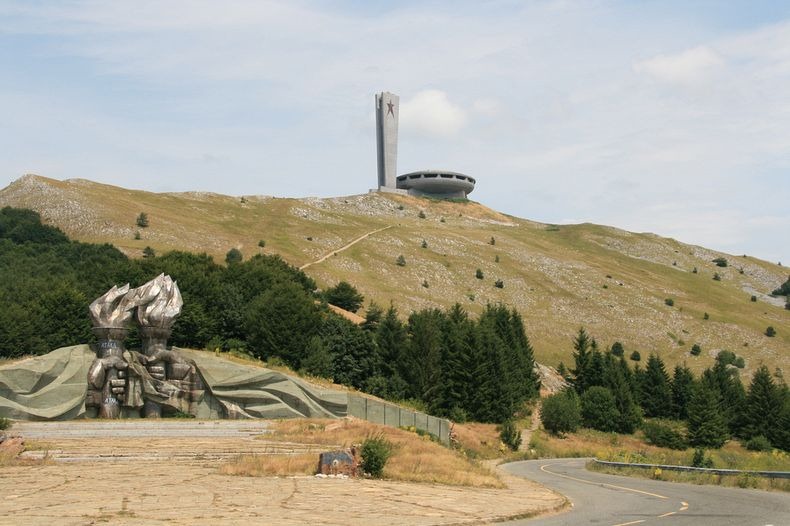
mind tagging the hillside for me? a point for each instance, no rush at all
(611, 281)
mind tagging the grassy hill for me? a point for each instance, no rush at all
(612, 282)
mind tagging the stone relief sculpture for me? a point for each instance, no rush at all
(123, 380)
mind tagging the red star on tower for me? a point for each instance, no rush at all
(390, 107)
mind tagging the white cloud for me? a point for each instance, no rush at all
(431, 113)
(690, 67)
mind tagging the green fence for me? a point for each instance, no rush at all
(392, 415)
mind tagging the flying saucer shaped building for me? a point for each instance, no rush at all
(436, 183)
(441, 184)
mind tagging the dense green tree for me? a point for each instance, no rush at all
(281, 321)
(345, 296)
(656, 399)
(582, 358)
(706, 424)
(318, 360)
(762, 406)
(457, 364)
(353, 351)
(560, 413)
(421, 357)
(682, 389)
(599, 410)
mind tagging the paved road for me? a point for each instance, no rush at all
(610, 500)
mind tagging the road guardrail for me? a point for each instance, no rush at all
(712, 471)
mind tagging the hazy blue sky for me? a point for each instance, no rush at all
(668, 117)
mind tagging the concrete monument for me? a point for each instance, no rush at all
(440, 184)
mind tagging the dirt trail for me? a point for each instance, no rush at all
(344, 247)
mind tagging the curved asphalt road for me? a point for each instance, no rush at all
(610, 500)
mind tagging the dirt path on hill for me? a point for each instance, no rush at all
(167, 472)
(344, 247)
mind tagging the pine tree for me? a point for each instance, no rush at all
(391, 338)
(656, 397)
(706, 424)
(457, 364)
(599, 410)
(763, 405)
(682, 388)
(582, 358)
(421, 358)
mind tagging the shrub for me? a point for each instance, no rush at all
(400, 261)
(716, 276)
(441, 220)
(5, 424)
(662, 435)
(617, 349)
(492, 241)
(376, 451)
(233, 256)
(783, 290)
(499, 284)
(425, 283)
(262, 243)
(496, 258)
(149, 252)
(699, 460)
(142, 220)
(759, 443)
(696, 350)
(510, 435)
(706, 316)
(694, 271)
(669, 302)
(754, 298)
(479, 274)
(424, 244)
(345, 296)
(787, 305)
(598, 409)
(770, 332)
(137, 235)
(421, 215)
(739, 362)
(720, 262)
(635, 356)
(561, 412)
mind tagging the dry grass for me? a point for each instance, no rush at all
(554, 276)
(479, 440)
(272, 465)
(415, 458)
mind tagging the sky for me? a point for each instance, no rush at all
(671, 117)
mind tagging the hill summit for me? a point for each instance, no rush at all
(650, 293)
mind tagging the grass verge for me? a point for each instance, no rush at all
(632, 448)
(415, 458)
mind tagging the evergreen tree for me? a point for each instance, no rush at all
(454, 395)
(682, 388)
(345, 296)
(656, 397)
(581, 358)
(492, 396)
(421, 359)
(617, 381)
(373, 317)
(355, 357)
(724, 379)
(706, 423)
(391, 337)
(763, 405)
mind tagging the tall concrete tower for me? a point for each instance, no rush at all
(387, 109)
